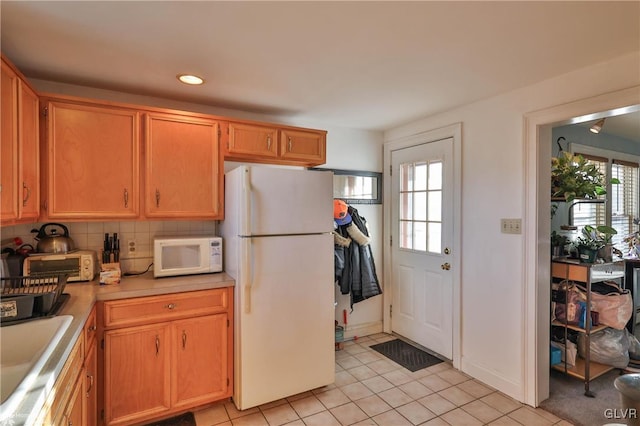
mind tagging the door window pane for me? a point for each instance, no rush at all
(420, 209)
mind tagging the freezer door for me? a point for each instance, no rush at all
(284, 318)
(284, 201)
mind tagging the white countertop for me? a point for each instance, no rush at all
(83, 297)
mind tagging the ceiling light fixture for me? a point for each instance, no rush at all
(190, 79)
(597, 126)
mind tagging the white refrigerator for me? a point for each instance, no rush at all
(278, 247)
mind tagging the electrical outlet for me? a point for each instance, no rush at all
(511, 226)
(131, 248)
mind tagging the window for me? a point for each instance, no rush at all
(421, 206)
(622, 199)
(590, 213)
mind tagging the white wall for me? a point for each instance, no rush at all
(492, 344)
(350, 149)
(360, 150)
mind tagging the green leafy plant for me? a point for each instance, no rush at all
(588, 243)
(591, 238)
(572, 176)
(558, 240)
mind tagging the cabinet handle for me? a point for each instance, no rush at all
(171, 306)
(290, 143)
(184, 339)
(126, 198)
(157, 198)
(90, 377)
(28, 194)
(157, 345)
(268, 142)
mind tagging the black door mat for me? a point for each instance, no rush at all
(186, 419)
(408, 356)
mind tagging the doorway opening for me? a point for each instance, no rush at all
(538, 152)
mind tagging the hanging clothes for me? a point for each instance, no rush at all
(355, 269)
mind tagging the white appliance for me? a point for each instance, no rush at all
(79, 265)
(186, 255)
(279, 249)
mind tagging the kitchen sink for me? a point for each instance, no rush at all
(25, 349)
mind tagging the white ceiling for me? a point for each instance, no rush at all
(369, 65)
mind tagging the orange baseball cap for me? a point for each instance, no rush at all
(341, 212)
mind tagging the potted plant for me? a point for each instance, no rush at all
(572, 176)
(605, 234)
(588, 244)
(557, 244)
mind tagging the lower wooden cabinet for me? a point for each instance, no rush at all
(90, 390)
(136, 366)
(62, 402)
(199, 362)
(177, 361)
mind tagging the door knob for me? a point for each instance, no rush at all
(445, 266)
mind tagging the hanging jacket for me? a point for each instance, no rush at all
(358, 276)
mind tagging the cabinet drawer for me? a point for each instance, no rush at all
(570, 272)
(147, 310)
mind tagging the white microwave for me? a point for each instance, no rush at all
(186, 255)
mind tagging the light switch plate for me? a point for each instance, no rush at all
(511, 226)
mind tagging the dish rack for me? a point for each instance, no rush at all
(27, 297)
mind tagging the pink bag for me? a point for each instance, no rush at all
(614, 309)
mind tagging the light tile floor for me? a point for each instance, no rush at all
(370, 389)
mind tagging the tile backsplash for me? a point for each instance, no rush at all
(90, 236)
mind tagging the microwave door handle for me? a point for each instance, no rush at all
(247, 273)
(246, 186)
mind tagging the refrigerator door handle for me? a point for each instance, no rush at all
(247, 273)
(246, 191)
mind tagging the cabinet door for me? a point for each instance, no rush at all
(93, 157)
(137, 377)
(183, 167)
(252, 142)
(29, 154)
(9, 144)
(199, 365)
(73, 415)
(306, 147)
(90, 391)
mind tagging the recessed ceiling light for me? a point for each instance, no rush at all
(190, 79)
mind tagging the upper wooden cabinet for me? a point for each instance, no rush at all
(9, 158)
(183, 167)
(92, 161)
(306, 147)
(274, 145)
(20, 175)
(249, 141)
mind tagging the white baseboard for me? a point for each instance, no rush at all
(479, 372)
(364, 329)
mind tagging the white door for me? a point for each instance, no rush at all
(422, 238)
(284, 335)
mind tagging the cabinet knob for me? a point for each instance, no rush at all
(171, 306)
